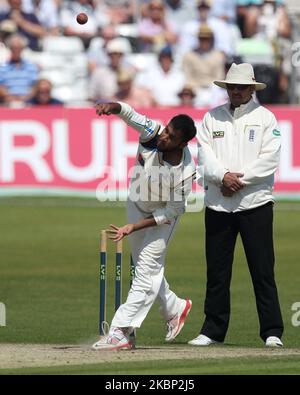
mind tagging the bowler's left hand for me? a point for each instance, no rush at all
(117, 234)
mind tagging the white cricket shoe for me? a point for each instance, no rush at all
(117, 339)
(175, 324)
(273, 341)
(202, 340)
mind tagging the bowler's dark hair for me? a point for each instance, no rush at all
(185, 125)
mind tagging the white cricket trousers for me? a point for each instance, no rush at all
(148, 248)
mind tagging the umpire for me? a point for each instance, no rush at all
(239, 150)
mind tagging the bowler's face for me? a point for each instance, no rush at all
(239, 94)
(169, 140)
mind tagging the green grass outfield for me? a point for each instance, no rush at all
(49, 283)
(238, 366)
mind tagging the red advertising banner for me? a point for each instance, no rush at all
(67, 150)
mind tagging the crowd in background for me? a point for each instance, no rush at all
(145, 52)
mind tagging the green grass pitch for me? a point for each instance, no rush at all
(49, 281)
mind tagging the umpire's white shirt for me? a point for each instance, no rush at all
(245, 141)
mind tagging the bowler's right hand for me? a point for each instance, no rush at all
(108, 108)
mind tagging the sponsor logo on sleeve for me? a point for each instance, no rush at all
(276, 132)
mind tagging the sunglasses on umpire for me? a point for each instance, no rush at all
(232, 87)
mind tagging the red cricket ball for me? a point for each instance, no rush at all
(82, 18)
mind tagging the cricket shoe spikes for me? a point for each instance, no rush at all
(175, 324)
(117, 339)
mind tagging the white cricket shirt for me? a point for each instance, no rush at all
(165, 198)
(247, 141)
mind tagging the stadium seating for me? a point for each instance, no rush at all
(142, 61)
(62, 45)
(64, 62)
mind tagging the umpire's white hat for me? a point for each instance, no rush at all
(241, 74)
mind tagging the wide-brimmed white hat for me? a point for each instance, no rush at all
(241, 74)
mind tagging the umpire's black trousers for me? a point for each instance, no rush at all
(256, 229)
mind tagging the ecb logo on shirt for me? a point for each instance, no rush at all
(251, 135)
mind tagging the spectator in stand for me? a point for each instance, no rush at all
(268, 21)
(103, 80)
(113, 13)
(97, 20)
(247, 11)
(224, 9)
(7, 28)
(97, 54)
(243, 7)
(46, 12)
(26, 24)
(205, 63)
(3, 6)
(187, 96)
(180, 11)
(3, 95)
(271, 22)
(131, 94)
(200, 67)
(155, 31)
(121, 11)
(164, 79)
(224, 38)
(41, 95)
(17, 76)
